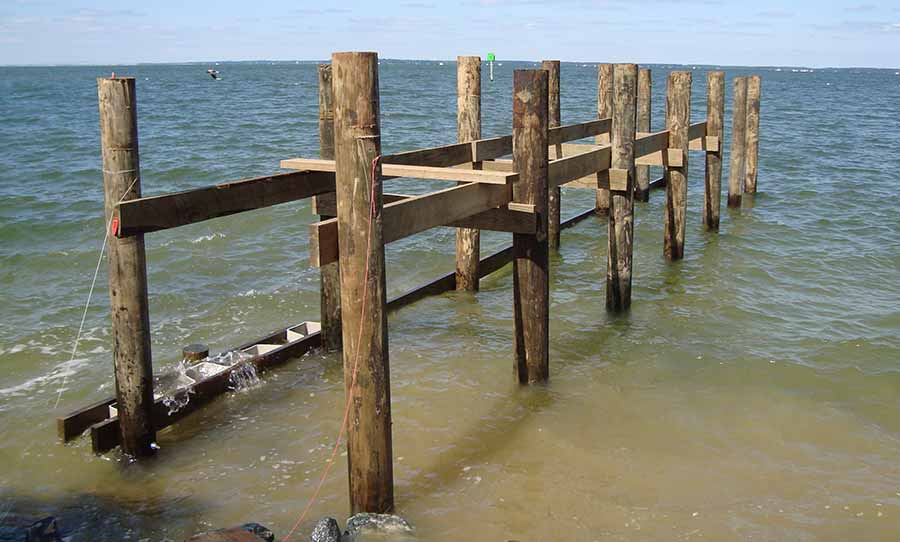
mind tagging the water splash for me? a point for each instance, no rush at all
(243, 376)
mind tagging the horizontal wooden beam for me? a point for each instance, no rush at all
(706, 143)
(413, 215)
(506, 219)
(574, 132)
(416, 172)
(488, 149)
(646, 144)
(154, 213)
(574, 167)
(697, 130)
(443, 156)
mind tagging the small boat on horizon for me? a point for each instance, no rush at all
(213, 73)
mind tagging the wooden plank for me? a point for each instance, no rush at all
(697, 131)
(165, 211)
(705, 143)
(488, 149)
(413, 215)
(443, 156)
(646, 144)
(501, 219)
(573, 132)
(416, 172)
(327, 204)
(574, 167)
(78, 421)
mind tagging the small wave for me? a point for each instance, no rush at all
(210, 237)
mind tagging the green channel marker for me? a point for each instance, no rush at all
(491, 58)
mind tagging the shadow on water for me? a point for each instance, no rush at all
(103, 518)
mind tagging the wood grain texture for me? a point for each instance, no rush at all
(752, 157)
(715, 115)
(132, 359)
(531, 286)
(738, 142)
(604, 111)
(553, 103)
(154, 213)
(330, 274)
(468, 128)
(357, 138)
(678, 121)
(642, 173)
(621, 202)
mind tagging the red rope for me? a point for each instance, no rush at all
(340, 436)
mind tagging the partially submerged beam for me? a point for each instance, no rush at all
(329, 275)
(621, 201)
(357, 137)
(738, 142)
(468, 128)
(154, 213)
(752, 157)
(715, 114)
(552, 68)
(642, 173)
(604, 111)
(678, 119)
(129, 304)
(531, 285)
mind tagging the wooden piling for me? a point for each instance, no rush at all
(468, 128)
(604, 111)
(357, 143)
(621, 202)
(531, 287)
(752, 149)
(715, 114)
(738, 142)
(127, 268)
(678, 121)
(552, 67)
(642, 173)
(329, 274)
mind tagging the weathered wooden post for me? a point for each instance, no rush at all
(552, 67)
(621, 202)
(127, 268)
(531, 286)
(642, 173)
(715, 115)
(738, 142)
(468, 128)
(329, 274)
(752, 169)
(678, 121)
(604, 111)
(357, 144)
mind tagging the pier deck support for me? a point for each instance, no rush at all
(642, 173)
(468, 128)
(738, 142)
(531, 286)
(621, 203)
(678, 121)
(552, 67)
(604, 111)
(752, 157)
(127, 268)
(357, 143)
(329, 274)
(715, 115)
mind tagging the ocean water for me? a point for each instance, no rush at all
(752, 392)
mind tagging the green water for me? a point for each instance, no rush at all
(752, 393)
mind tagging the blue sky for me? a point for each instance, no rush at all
(751, 32)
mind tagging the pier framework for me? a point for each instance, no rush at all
(508, 183)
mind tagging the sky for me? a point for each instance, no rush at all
(720, 32)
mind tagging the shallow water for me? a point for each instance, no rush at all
(752, 393)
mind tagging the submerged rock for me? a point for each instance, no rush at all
(326, 530)
(246, 532)
(363, 527)
(44, 530)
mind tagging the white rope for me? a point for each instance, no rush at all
(87, 304)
